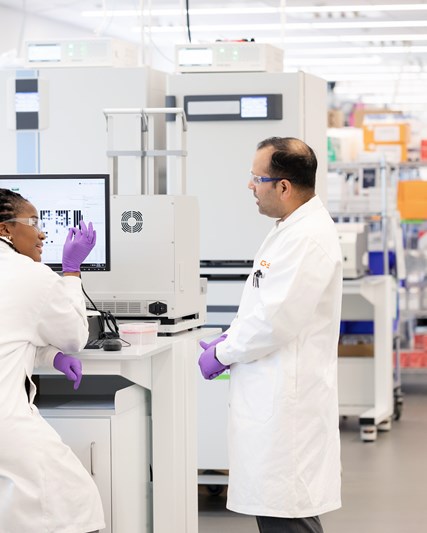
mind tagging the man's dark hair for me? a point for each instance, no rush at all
(10, 204)
(293, 160)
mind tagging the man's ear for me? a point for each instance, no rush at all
(286, 185)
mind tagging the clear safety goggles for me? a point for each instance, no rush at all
(256, 180)
(34, 222)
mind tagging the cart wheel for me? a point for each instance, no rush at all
(368, 433)
(398, 406)
(385, 425)
(215, 490)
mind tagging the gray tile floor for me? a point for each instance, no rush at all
(384, 484)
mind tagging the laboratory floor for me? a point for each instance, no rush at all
(384, 484)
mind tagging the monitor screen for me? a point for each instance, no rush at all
(63, 200)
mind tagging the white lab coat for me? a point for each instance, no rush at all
(284, 448)
(43, 486)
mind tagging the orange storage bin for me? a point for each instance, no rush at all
(412, 199)
(386, 133)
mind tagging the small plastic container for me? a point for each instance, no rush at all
(139, 334)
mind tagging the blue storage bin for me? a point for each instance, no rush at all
(357, 327)
(376, 263)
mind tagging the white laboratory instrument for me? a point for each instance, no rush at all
(95, 52)
(154, 261)
(228, 57)
(155, 237)
(228, 114)
(353, 239)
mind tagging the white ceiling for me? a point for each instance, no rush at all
(374, 50)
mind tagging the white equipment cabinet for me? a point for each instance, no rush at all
(111, 442)
(117, 446)
(365, 384)
(74, 140)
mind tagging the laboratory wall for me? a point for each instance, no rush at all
(16, 27)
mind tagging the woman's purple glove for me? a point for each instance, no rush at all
(206, 345)
(77, 247)
(70, 366)
(210, 367)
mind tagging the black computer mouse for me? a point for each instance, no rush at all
(112, 345)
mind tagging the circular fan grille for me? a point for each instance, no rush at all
(132, 221)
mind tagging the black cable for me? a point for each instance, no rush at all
(187, 7)
(101, 321)
(105, 319)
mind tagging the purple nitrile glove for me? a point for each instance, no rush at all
(210, 367)
(206, 345)
(77, 247)
(70, 366)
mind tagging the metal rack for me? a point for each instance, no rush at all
(370, 387)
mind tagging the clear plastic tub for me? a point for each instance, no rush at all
(139, 334)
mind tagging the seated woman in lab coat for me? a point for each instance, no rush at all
(43, 486)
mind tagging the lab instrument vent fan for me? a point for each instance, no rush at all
(132, 221)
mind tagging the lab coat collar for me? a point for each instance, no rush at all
(303, 210)
(7, 247)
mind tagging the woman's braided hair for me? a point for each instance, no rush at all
(10, 202)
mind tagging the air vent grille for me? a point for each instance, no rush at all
(132, 221)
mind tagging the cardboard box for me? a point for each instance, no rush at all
(360, 114)
(356, 350)
(335, 118)
(412, 199)
(386, 133)
(394, 153)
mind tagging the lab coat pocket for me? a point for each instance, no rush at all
(253, 390)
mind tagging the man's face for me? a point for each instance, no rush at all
(268, 194)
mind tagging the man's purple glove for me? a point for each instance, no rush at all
(210, 367)
(77, 247)
(206, 345)
(70, 366)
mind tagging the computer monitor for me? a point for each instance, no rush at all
(62, 200)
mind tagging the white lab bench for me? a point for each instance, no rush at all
(365, 384)
(116, 438)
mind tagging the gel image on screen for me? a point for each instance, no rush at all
(62, 201)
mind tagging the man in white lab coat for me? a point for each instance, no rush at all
(284, 448)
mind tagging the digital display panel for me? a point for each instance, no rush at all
(49, 52)
(62, 201)
(195, 57)
(254, 107)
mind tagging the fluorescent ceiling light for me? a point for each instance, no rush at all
(254, 10)
(357, 50)
(255, 28)
(387, 91)
(352, 79)
(352, 38)
(356, 7)
(407, 99)
(297, 62)
(372, 69)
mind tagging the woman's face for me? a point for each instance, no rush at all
(27, 239)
